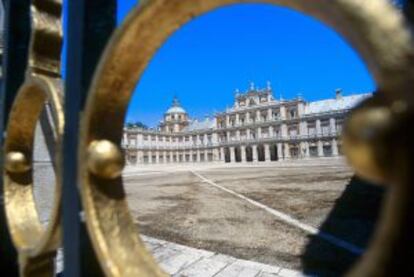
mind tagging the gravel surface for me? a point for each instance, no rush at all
(173, 204)
(177, 206)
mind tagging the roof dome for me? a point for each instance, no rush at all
(175, 107)
(175, 110)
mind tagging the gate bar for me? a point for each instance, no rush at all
(16, 43)
(89, 26)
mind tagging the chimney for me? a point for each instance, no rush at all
(338, 93)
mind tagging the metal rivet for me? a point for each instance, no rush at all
(17, 162)
(105, 159)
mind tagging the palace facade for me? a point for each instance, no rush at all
(257, 128)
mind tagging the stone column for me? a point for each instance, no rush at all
(248, 135)
(139, 157)
(307, 154)
(215, 155)
(171, 156)
(227, 120)
(303, 128)
(318, 127)
(205, 155)
(237, 119)
(259, 132)
(332, 125)
(238, 135)
(271, 131)
(302, 149)
(198, 140)
(198, 156)
(157, 157)
(282, 112)
(320, 148)
(267, 152)
(149, 157)
(258, 115)
(139, 140)
(254, 152)
(287, 151)
(214, 138)
(243, 153)
(222, 156)
(280, 151)
(228, 135)
(165, 157)
(248, 117)
(232, 155)
(284, 130)
(125, 141)
(191, 156)
(269, 114)
(334, 148)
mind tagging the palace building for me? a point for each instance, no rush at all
(257, 128)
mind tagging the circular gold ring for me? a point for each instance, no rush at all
(373, 27)
(29, 236)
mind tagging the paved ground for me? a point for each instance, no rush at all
(268, 213)
(309, 216)
(183, 261)
(179, 260)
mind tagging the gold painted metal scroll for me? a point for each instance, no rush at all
(36, 244)
(373, 27)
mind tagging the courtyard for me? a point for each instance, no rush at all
(309, 215)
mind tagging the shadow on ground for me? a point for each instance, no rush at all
(353, 219)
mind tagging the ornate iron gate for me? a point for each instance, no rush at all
(90, 215)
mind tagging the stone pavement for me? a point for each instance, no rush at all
(180, 260)
(183, 261)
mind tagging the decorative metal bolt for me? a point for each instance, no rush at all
(17, 162)
(105, 160)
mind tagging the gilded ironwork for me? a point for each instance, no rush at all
(17, 162)
(35, 243)
(105, 160)
(373, 27)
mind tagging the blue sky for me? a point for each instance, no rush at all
(207, 59)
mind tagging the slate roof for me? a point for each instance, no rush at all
(175, 110)
(194, 125)
(329, 105)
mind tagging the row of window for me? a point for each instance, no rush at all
(263, 117)
(173, 138)
(265, 133)
(175, 117)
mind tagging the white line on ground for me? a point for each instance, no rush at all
(135, 174)
(289, 220)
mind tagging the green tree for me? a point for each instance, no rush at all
(137, 124)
